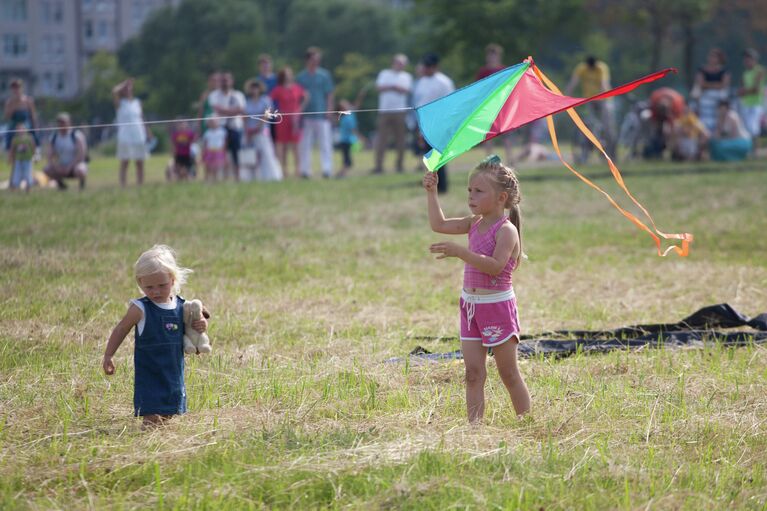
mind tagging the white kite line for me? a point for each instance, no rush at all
(268, 117)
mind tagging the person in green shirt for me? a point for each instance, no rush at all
(22, 151)
(751, 94)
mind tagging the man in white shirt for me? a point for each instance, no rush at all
(228, 102)
(394, 86)
(431, 86)
(67, 153)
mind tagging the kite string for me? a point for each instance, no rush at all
(268, 117)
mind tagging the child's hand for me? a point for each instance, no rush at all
(201, 325)
(430, 181)
(108, 365)
(446, 249)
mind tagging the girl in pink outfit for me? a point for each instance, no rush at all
(488, 305)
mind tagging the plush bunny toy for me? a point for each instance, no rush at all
(194, 341)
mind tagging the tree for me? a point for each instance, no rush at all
(652, 26)
(461, 30)
(178, 47)
(340, 27)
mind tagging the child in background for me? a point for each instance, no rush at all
(214, 150)
(20, 156)
(182, 137)
(488, 305)
(689, 137)
(289, 97)
(347, 135)
(263, 164)
(158, 322)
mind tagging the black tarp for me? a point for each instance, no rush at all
(704, 327)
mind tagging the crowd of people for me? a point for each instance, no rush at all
(239, 139)
(716, 120)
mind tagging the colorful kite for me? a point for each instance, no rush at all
(512, 98)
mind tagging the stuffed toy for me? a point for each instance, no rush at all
(194, 341)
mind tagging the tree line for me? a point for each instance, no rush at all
(179, 46)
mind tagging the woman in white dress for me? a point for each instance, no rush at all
(131, 132)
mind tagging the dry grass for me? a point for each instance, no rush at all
(314, 285)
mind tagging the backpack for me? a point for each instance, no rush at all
(73, 134)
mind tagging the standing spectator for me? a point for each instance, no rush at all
(751, 94)
(266, 73)
(131, 131)
(732, 141)
(289, 98)
(431, 86)
(258, 138)
(204, 110)
(347, 135)
(230, 103)
(593, 76)
(19, 108)
(182, 138)
(493, 64)
(269, 78)
(67, 153)
(213, 150)
(20, 155)
(493, 61)
(394, 86)
(316, 127)
(411, 121)
(712, 85)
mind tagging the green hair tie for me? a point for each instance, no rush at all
(492, 159)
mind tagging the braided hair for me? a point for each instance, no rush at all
(504, 179)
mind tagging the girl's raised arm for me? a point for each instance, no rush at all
(123, 328)
(437, 219)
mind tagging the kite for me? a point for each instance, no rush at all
(510, 99)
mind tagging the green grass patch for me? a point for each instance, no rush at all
(313, 284)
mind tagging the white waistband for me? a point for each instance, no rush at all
(501, 296)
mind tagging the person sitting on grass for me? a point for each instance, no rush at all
(689, 137)
(731, 140)
(67, 153)
(157, 320)
(488, 306)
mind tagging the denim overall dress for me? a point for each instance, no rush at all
(159, 361)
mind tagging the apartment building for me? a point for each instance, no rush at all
(47, 43)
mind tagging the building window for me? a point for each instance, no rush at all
(103, 30)
(58, 11)
(14, 45)
(13, 10)
(61, 81)
(46, 49)
(88, 28)
(58, 46)
(52, 11)
(46, 87)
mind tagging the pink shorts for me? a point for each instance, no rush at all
(491, 319)
(214, 158)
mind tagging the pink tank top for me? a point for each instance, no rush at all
(484, 243)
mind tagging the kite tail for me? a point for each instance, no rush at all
(686, 238)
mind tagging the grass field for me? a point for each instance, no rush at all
(313, 284)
